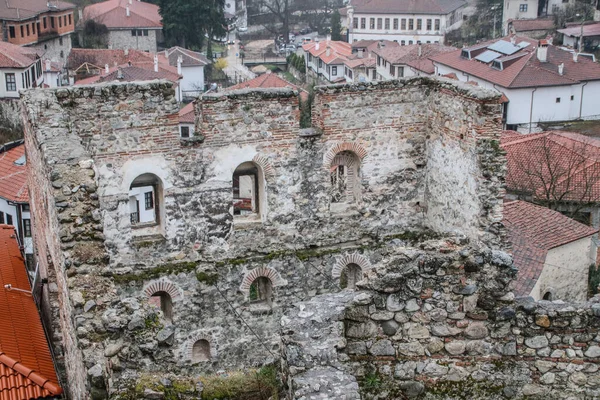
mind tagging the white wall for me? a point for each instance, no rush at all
(193, 79)
(565, 272)
(190, 126)
(56, 49)
(512, 10)
(558, 4)
(138, 194)
(19, 80)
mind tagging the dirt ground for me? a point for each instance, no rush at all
(258, 47)
(588, 128)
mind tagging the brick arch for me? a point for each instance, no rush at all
(354, 258)
(163, 285)
(270, 273)
(188, 349)
(265, 165)
(355, 148)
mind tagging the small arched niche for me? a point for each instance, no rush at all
(351, 274)
(146, 201)
(249, 195)
(261, 291)
(164, 302)
(344, 174)
(201, 351)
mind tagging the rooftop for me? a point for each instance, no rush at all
(187, 114)
(432, 7)
(512, 62)
(416, 56)
(532, 231)
(189, 57)
(330, 51)
(131, 73)
(538, 24)
(588, 30)
(113, 14)
(18, 10)
(268, 80)
(26, 366)
(13, 56)
(13, 173)
(102, 57)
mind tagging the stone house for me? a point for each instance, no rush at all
(552, 252)
(539, 28)
(411, 22)
(542, 82)
(132, 24)
(45, 25)
(530, 9)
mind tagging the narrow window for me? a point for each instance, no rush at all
(149, 200)
(27, 227)
(201, 351)
(60, 41)
(9, 219)
(52, 22)
(139, 32)
(372, 23)
(163, 301)
(374, 74)
(572, 97)
(392, 70)
(410, 42)
(411, 24)
(400, 72)
(59, 22)
(11, 83)
(261, 290)
(248, 191)
(395, 24)
(429, 24)
(363, 23)
(344, 173)
(355, 23)
(11, 30)
(145, 32)
(387, 24)
(27, 27)
(62, 54)
(45, 23)
(419, 24)
(403, 43)
(33, 28)
(70, 20)
(1, 217)
(185, 131)
(133, 32)
(403, 24)
(437, 24)
(351, 274)
(558, 99)
(145, 189)
(334, 71)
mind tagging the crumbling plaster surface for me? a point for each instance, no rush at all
(90, 142)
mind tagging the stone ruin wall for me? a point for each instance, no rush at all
(87, 144)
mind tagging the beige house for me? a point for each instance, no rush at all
(552, 252)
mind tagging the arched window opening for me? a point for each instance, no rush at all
(201, 351)
(248, 191)
(351, 274)
(145, 200)
(163, 301)
(261, 290)
(548, 296)
(344, 173)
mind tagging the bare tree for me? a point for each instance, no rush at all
(554, 171)
(281, 12)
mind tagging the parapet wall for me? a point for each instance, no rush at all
(427, 163)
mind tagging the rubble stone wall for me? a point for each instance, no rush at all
(90, 143)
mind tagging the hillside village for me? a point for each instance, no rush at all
(290, 199)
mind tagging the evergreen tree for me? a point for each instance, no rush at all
(336, 26)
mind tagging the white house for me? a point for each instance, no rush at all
(406, 22)
(14, 197)
(325, 60)
(20, 68)
(541, 82)
(406, 61)
(187, 119)
(190, 65)
(530, 9)
(551, 252)
(53, 73)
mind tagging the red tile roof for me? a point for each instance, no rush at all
(13, 56)
(113, 14)
(330, 51)
(18, 10)
(523, 69)
(409, 55)
(139, 72)
(189, 57)
(524, 25)
(101, 57)
(562, 166)
(437, 7)
(532, 231)
(26, 366)
(187, 114)
(13, 177)
(588, 30)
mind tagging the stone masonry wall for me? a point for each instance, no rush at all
(88, 144)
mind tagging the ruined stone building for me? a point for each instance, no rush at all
(244, 235)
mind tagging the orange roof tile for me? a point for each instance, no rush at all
(113, 14)
(13, 56)
(268, 80)
(330, 51)
(417, 56)
(187, 114)
(19, 10)
(532, 231)
(26, 367)
(13, 177)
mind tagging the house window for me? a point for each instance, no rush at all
(403, 24)
(70, 20)
(185, 131)
(59, 22)
(27, 28)
(146, 188)
(163, 301)
(411, 24)
(429, 24)
(379, 61)
(11, 82)
(387, 24)
(437, 24)
(1, 217)
(410, 42)
(62, 54)
(392, 70)
(334, 71)
(344, 172)
(60, 41)
(548, 296)
(261, 290)
(400, 72)
(9, 219)
(351, 274)
(133, 32)
(25, 208)
(372, 23)
(201, 351)
(379, 23)
(45, 24)
(145, 32)
(558, 99)
(419, 24)
(11, 30)
(33, 28)
(320, 63)
(522, 7)
(355, 23)
(248, 191)
(64, 20)
(572, 97)
(403, 43)
(363, 23)
(52, 22)
(374, 74)
(395, 24)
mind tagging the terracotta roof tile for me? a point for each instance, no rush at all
(538, 24)
(140, 71)
(26, 366)
(113, 14)
(13, 56)
(189, 57)
(588, 30)
(409, 55)
(24, 9)
(330, 51)
(407, 6)
(101, 57)
(268, 80)
(187, 114)
(532, 231)
(13, 177)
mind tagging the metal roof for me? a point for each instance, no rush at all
(488, 56)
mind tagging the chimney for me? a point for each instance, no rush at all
(561, 69)
(549, 39)
(119, 73)
(127, 11)
(106, 70)
(575, 56)
(328, 51)
(155, 63)
(328, 38)
(513, 40)
(48, 65)
(360, 53)
(166, 53)
(420, 50)
(179, 63)
(317, 46)
(126, 52)
(542, 51)
(130, 1)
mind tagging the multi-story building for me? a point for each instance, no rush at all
(406, 22)
(132, 24)
(325, 60)
(20, 68)
(530, 9)
(405, 61)
(40, 23)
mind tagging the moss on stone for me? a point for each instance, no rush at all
(209, 279)
(467, 389)
(161, 270)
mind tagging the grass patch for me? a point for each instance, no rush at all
(289, 77)
(259, 384)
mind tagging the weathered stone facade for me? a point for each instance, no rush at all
(11, 124)
(421, 158)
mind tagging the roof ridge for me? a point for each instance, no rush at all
(528, 59)
(30, 374)
(526, 138)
